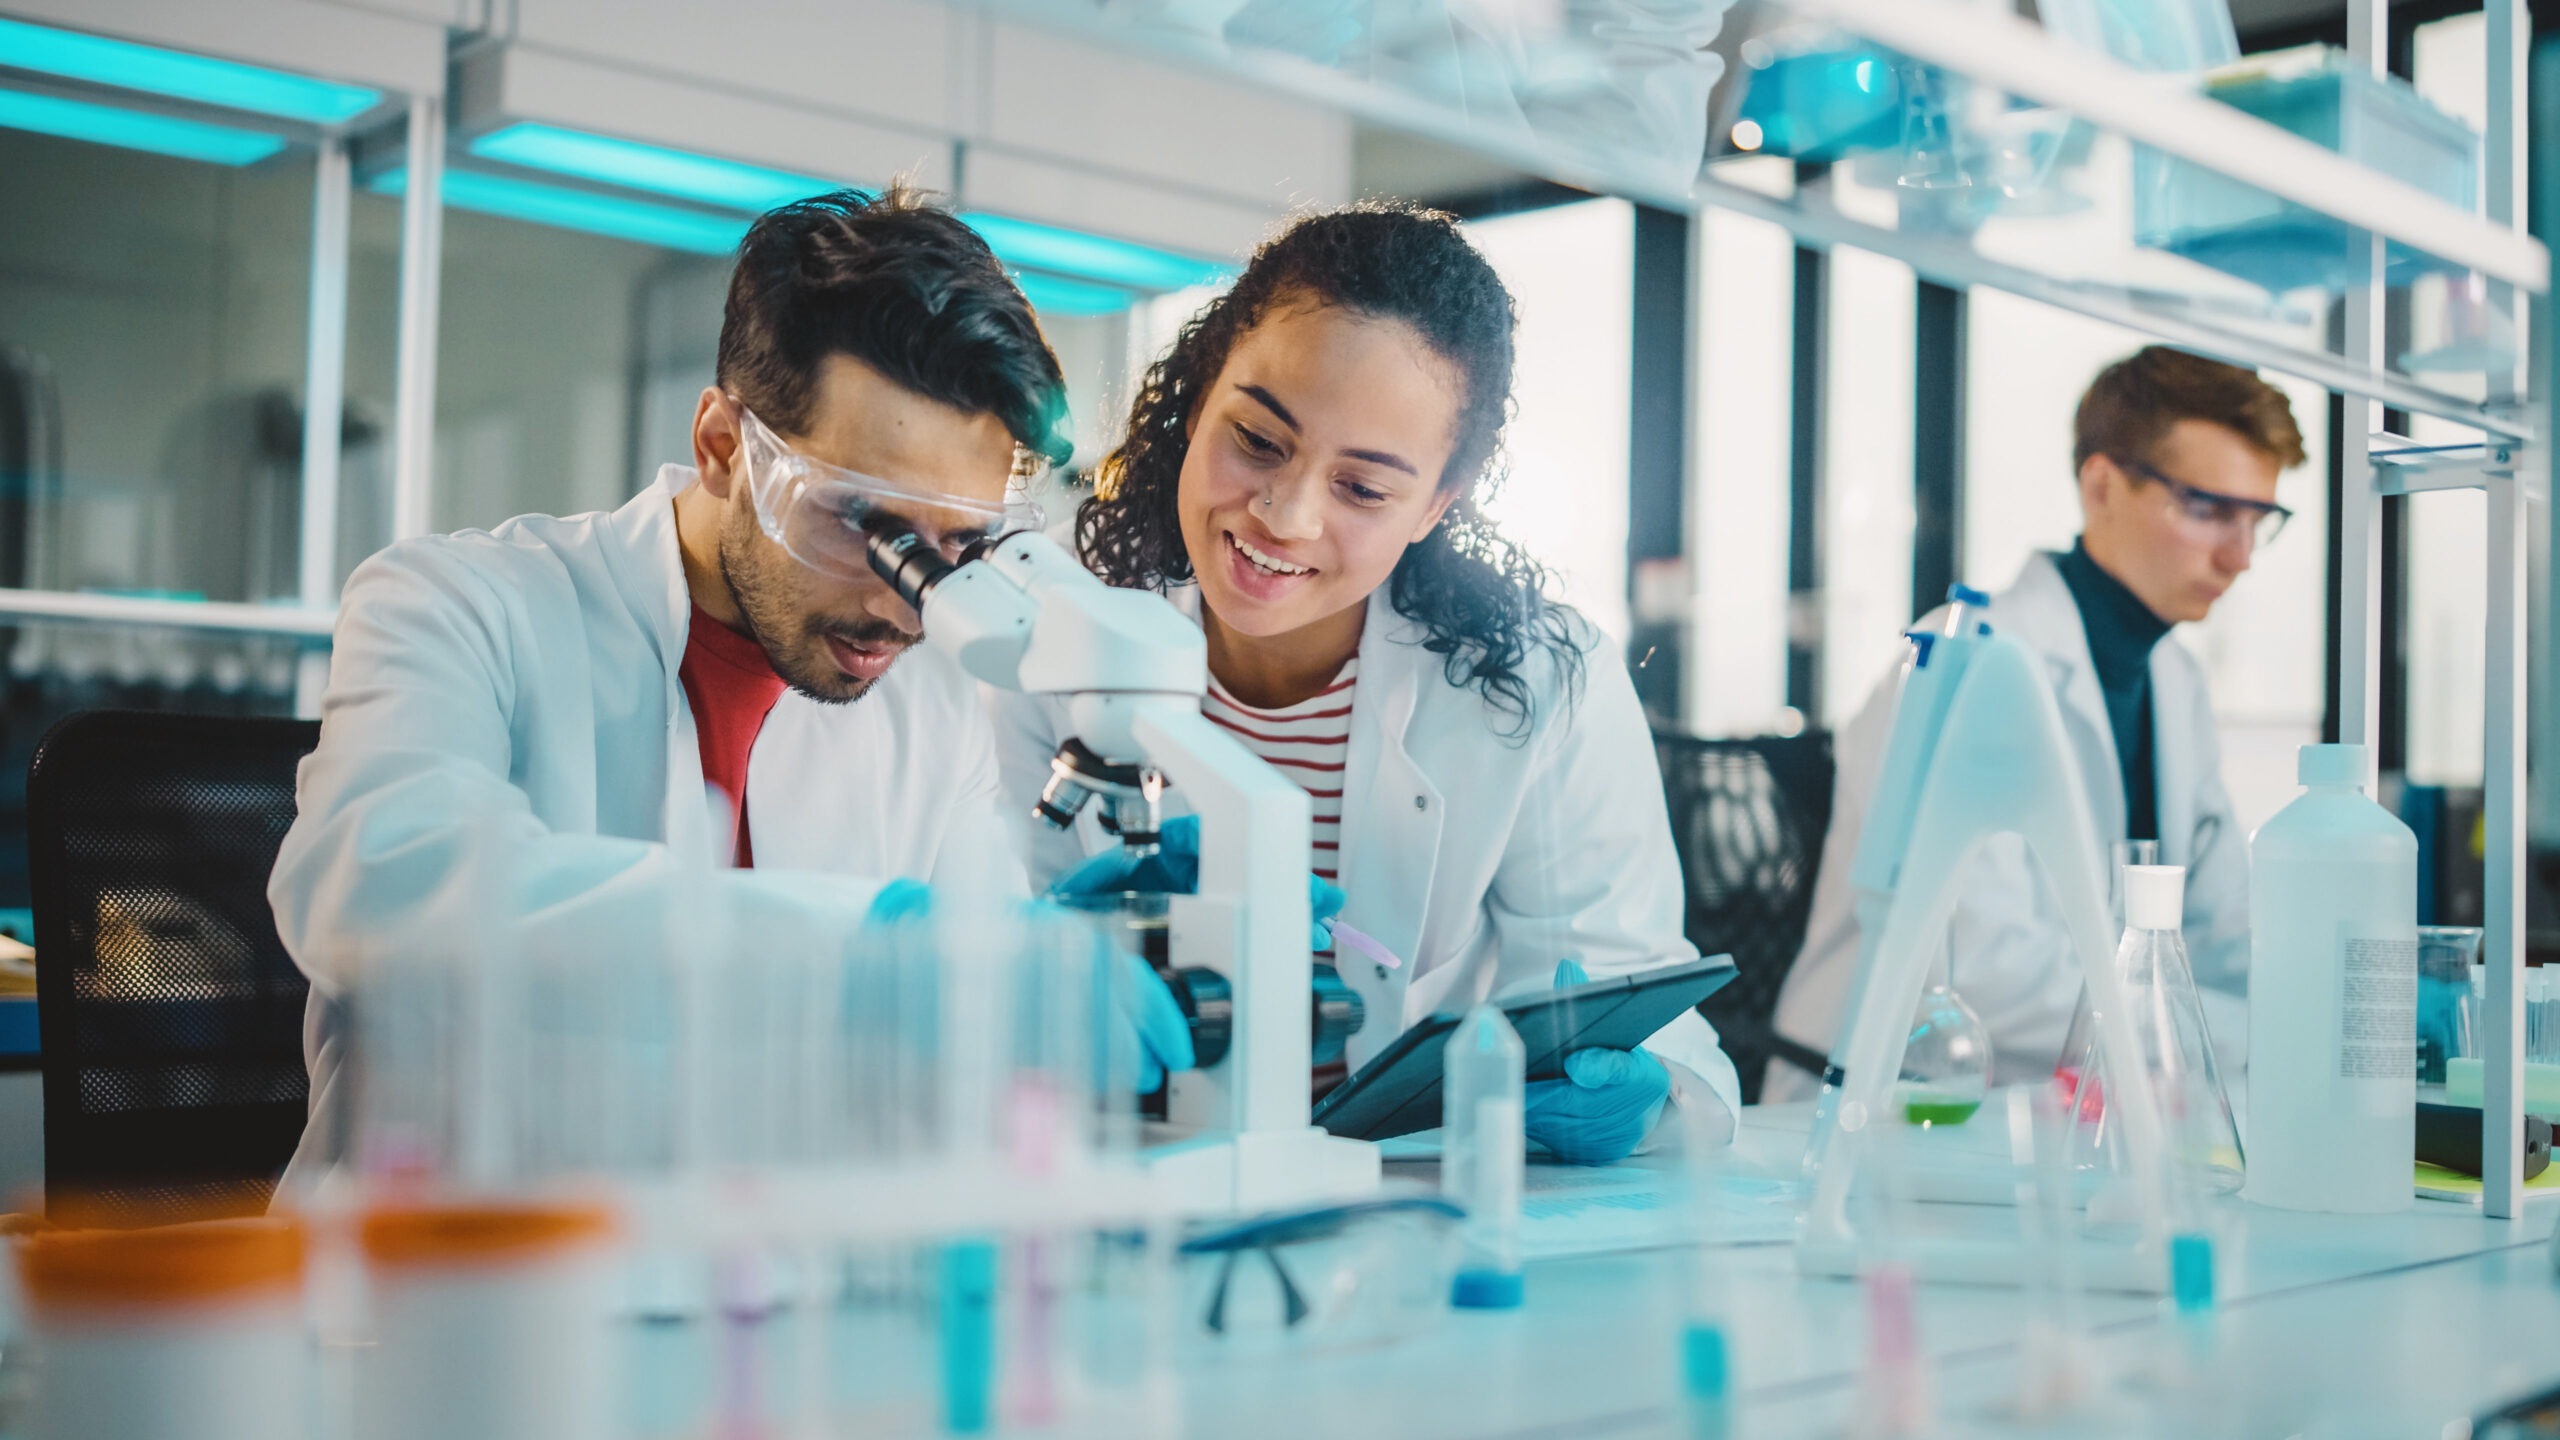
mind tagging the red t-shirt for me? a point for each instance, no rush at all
(731, 687)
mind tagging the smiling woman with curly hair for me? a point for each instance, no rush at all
(1305, 470)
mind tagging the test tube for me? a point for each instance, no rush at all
(1706, 1399)
(1896, 1397)
(2054, 1369)
(1483, 1155)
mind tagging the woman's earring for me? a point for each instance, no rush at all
(1266, 502)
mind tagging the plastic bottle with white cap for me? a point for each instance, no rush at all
(2333, 985)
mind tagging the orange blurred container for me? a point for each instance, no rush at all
(193, 1330)
(493, 1320)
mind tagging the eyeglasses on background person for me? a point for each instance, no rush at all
(2264, 519)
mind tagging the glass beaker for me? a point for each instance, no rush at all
(2447, 1021)
(1930, 139)
(2159, 990)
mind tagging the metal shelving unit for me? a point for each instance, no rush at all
(407, 120)
(1993, 47)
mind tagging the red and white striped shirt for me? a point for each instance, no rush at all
(1306, 742)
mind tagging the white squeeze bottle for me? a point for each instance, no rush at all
(2333, 990)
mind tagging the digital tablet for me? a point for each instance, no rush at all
(1398, 1093)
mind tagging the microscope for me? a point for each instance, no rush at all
(1022, 614)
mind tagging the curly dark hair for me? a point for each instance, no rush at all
(898, 282)
(1480, 598)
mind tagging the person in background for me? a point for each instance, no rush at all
(560, 720)
(1304, 471)
(2178, 459)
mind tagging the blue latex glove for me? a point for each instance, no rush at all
(1606, 1104)
(1175, 869)
(900, 899)
(1144, 1002)
(1141, 1001)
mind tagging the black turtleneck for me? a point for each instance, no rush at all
(2121, 631)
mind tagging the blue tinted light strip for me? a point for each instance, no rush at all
(102, 61)
(566, 209)
(1093, 257)
(1052, 295)
(646, 167)
(135, 129)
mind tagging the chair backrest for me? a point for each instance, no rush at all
(1748, 817)
(170, 1015)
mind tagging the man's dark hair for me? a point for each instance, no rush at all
(2133, 403)
(898, 283)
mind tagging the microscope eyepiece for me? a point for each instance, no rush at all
(911, 566)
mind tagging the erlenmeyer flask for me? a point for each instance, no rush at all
(1946, 1062)
(2121, 854)
(2169, 1029)
(2076, 1041)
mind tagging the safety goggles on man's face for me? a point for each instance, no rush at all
(824, 516)
(2206, 509)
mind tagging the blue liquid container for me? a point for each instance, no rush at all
(1484, 1154)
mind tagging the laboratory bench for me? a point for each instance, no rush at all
(2331, 1326)
(2400, 1325)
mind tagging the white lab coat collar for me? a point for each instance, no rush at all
(1386, 870)
(1387, 867)
(648, 566)
(2039, 610)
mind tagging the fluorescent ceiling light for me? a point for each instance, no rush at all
(1092, 257)
(646, 167)
(1056, 296)
(135, 129)
(102, 61)
(567, 209)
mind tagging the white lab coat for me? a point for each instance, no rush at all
(518, 689)
(2012, 961)
(1480, 858)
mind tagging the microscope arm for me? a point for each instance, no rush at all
(1253, 892)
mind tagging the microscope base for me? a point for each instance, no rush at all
(1231, 1174)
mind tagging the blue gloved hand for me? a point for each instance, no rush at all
(1141, 1001)
(1145, 1003)
(900, 899)
(1175, 869)
(1606, 1104)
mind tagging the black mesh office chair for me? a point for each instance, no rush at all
(170, 1016)
(1748, 817)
